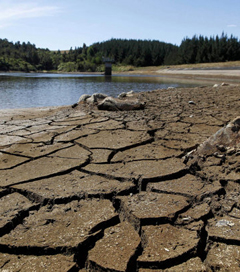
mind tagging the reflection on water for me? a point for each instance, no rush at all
(24, 90)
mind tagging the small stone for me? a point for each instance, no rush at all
(231, 151)
(83, 98)
(225, 228)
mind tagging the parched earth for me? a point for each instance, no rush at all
(89, 190)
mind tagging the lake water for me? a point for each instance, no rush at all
(25, 90)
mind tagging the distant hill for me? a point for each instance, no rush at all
(26, 57)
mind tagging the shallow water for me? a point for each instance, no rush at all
(24, 90)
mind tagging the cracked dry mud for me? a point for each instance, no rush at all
(89, 190)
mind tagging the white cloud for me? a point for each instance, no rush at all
(231, 25)
(11, 12)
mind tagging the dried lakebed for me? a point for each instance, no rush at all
(89, 190)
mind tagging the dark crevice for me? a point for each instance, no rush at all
(139, 160)
(202, 246)
(169, 263)
(105, 224)
(107, 176)
(234, 242)
(171, 193)
(144, 182)
(114, 152)
(16, 165)
(15, 154)
(132, 264)
(33, 197)
(77, 138)
(81, 255)
(18, 219)
(219, 192)
(4, 192)
(36, 250)
(64, 172)
(35, 158)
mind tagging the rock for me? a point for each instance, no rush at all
(226, 137)
(130, 93)
(99, 96)
(224, 84)
(83, 98)
(122, 95)
(215, 85)
(105, 102)
(91, 99)
(191, 102)
(114, 104)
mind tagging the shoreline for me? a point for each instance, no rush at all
(124, 172)
(208, 76)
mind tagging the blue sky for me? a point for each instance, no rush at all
(61, 24)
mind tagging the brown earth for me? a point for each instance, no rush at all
(89, 190)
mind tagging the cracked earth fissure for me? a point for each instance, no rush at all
(122, 191)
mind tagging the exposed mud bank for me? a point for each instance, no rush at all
(89, 190)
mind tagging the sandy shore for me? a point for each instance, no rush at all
(228, 74)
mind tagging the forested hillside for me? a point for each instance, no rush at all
(26, 57)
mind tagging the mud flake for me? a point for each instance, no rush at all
(64, 225)
(34, 150)
(196, 212)
(150, 207)
(136, 169)
(11, 206)
(74, 184)
(56, 163)
(153, 151)
(114, 251)
(8, 160)
(194, 265)
(22, 263)
(224, 228)
(114, 139)
(223, 257)
(165, 243)
(188, 185)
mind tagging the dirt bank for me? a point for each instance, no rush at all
(89, 190)
(215, 73)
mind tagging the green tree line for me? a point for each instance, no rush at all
(199, 49)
